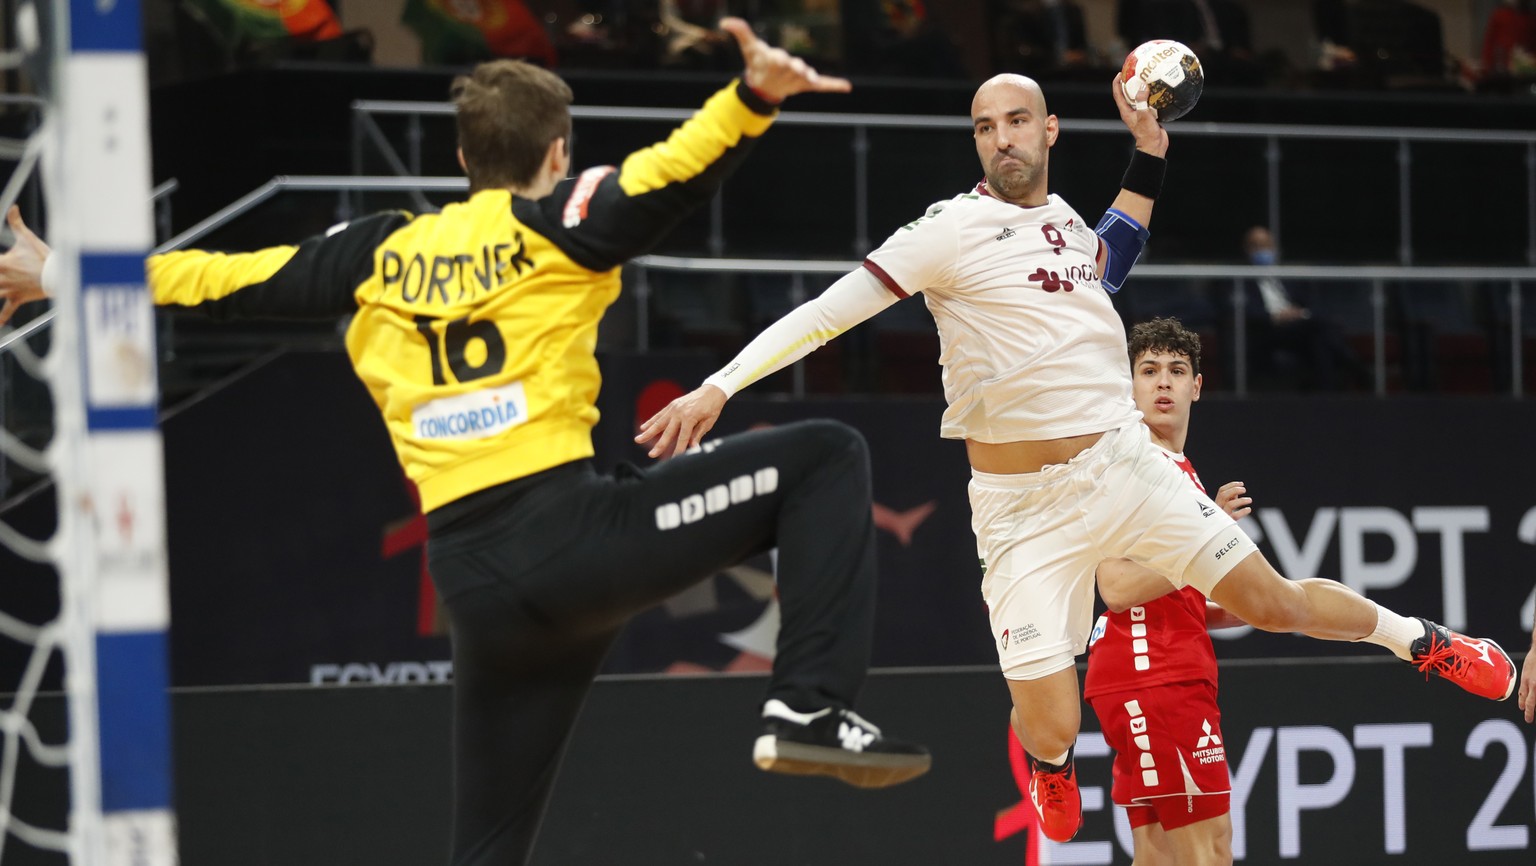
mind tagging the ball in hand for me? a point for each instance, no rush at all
(1164, 76)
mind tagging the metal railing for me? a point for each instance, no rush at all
(647, 266)
(1376, 278)
(311, 183)
(365, 129)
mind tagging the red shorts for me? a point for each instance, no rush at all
(1170, 756)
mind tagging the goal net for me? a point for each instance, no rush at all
(92, 352)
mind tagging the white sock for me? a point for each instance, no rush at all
(1395, 632)
(1059, 760)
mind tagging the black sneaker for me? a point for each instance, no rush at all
(836, 743)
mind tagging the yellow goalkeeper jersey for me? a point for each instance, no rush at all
(474, 329)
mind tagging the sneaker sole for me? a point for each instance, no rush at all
(859, 769)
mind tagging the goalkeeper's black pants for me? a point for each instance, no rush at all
(539, 575)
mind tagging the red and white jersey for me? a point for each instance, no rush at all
(1163, 641)
(1030, 345)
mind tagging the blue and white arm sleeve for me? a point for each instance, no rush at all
(1124, 239)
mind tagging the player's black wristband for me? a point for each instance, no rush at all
(1144, 176)
(755, 100)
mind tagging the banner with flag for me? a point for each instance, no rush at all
(239, 21)
(468, 31)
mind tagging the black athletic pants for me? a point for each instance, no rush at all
(540, 574)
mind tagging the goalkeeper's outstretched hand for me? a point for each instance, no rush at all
(775, 73)
(21, 267)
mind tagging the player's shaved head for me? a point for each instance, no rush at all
(1014, 132)
(1007, 84)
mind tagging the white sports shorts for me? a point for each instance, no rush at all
(1041, 535)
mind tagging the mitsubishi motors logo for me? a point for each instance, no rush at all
(1209, 749)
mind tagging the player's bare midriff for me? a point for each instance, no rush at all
(1017, 458)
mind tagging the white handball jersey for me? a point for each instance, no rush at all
(1030, 345)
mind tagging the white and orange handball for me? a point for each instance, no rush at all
(1163, 75)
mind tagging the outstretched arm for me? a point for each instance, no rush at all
(774, 73)
(705, 146)
(606, 216)
(847, 302)
(315, 279)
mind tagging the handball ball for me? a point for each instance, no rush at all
(1163, 75)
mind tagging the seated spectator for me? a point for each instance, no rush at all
(1331, 24)
(1038, 37)
(1397, 43)
(1509, 41)
(809, 29)
(1217, 31)
(1282, 332)
(242, 20)
(249, 32)
(897, 37)
(463, 33)
(690, 38)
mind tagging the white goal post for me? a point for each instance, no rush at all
(105, 456)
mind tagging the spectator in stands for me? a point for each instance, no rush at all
(1331, 24)
(1217, 30)
(689, 36)
(247, 32)
(1039, 36)
(1283, 332)
(898, 37)
(458, 33)
(1509, 41)
(1396, 43)
(237, 22)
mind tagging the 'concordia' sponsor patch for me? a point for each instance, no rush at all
(476, 415)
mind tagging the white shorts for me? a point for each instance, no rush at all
(1041, 535)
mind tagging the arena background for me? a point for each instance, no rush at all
(310, 671)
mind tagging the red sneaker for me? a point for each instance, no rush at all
(1057, 803)
(1476, 664)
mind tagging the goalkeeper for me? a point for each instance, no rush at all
(474, 330)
